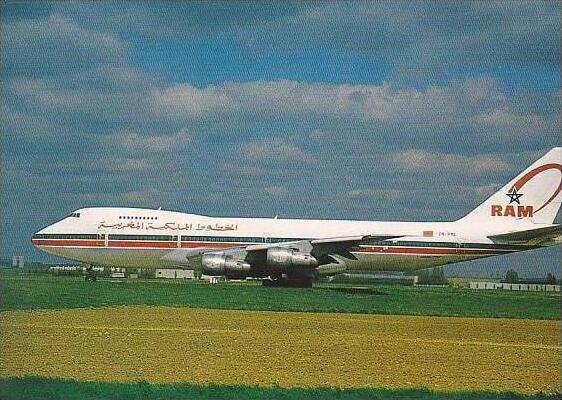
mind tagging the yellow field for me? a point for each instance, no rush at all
(161, 344)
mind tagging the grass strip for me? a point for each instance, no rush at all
(44, 388)
(45, 292)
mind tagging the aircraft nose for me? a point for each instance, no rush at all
(40, 234)
(35, 237)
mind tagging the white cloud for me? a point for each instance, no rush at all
(283, 97)
(121, 165)
(423, 161)
(275, 150)
(95, 164)
(376, 194)
(26, 126)
(52, 96)
(40, 93)
(503, 121)
(188, 101)
(485, 191)
(133, 143)
(55, 45)
(475, 105)
(481, 91)
(74, 98)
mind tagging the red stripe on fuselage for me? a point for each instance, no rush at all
(131, 244)
(170, 245)
(437, 251)
(68, 243)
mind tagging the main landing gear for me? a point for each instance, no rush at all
(293, 282)
(90, 275)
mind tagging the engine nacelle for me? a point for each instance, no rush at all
(282, 257)
(221, 264)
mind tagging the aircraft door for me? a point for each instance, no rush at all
(103, 239)
(459, 244)
(268, 231)
(176, 241)
(266, 237)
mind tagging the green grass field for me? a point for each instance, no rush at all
(44, 292)
(41, 388)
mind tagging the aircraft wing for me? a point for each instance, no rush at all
(545, 236)
(326, 251)
(322, 248)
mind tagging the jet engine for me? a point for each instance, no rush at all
(283, 257)
(221, 264)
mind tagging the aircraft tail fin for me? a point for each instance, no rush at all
(533, 196)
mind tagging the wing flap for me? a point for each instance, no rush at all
(353, 239)
(341, 246)
(345, 239)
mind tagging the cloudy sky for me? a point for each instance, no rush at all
(360, 110)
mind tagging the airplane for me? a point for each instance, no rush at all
(294, 252)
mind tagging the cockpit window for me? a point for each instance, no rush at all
(75, 215)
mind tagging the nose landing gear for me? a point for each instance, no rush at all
(90, 275)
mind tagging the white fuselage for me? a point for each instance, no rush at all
(144, 238)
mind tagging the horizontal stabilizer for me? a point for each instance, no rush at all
(547, 236)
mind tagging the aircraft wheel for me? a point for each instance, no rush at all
(271, 283)
(90, 275)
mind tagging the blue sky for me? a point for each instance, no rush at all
(296, 109)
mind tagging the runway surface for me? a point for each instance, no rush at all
(164, 344)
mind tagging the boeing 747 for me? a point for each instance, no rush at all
(294, 252)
